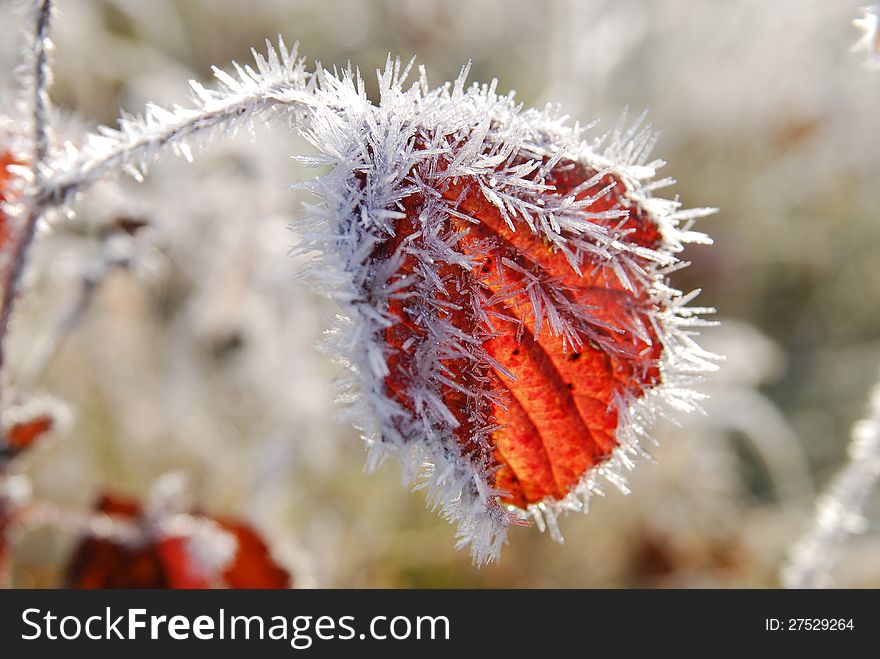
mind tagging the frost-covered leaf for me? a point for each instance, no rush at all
(251, 566)
(508, 325)
(183, 551)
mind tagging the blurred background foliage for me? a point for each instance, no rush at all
(196, 354)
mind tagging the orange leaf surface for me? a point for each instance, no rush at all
(555, 415)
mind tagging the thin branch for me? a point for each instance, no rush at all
(42, 80)
(50, 343)
(280, 80)
(839, 509)
(42, 74)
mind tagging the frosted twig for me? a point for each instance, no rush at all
(279, 80)
(47, 347)
(41, 78)
(839, 508)
(869, 42)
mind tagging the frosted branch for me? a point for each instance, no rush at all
(40, 79)
(279, 80)
(839, 508)
(46, 348)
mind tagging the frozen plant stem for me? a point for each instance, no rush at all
(47, 348)
(839, 508)
(41, 77)
(280, 80)
(163, 129)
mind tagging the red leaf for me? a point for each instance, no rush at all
(555, 411)
(102, 563)
(21, 435)
(253, 566)
(167, 561)
(180, 569)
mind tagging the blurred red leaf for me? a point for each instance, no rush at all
(252, 566)
(557, 417)
(179, 566)
(101, 563)
(168, 561)
(21, 435)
